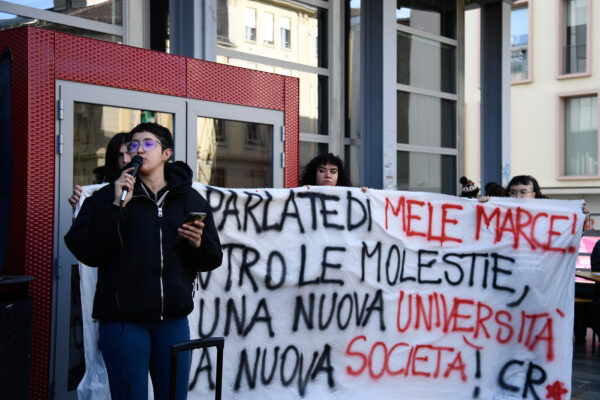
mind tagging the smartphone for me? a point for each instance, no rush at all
(194, 216)
(191, 217)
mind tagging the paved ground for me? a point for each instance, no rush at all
(586, 371)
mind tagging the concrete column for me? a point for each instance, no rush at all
(378, 95)
(495, 91)
(193, 28)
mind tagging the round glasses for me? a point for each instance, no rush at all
(147, 145)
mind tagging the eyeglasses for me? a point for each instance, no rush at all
(523, 192)
(147, 145)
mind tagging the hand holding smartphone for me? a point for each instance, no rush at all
(191, 217)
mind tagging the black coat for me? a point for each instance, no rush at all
(149, 277)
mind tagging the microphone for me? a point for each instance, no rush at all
(136, 163)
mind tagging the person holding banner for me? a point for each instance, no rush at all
(524, 187)
(325, 170)
(115, 159)
(147, 259)
(527, 187)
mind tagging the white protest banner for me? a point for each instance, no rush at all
(332, 293)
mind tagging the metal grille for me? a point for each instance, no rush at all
(226, 84)
(103, 63)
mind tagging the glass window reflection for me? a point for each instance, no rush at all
(10, 21)
(519, 44)
(94, 125)
(309, 150)
(575, 47)
(581, 135)
(313, 94)
(107, 11)
(234, 153)
(425, 120)
(426, 172)
(426, 63)
(433, 16)
(288, 30)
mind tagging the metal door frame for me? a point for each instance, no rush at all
(185, 111)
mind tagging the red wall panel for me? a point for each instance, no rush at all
(39, 58)
(226, 84)
(31, 234)
(102, 63)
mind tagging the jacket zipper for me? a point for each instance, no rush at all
(162, 293)
(159, 204)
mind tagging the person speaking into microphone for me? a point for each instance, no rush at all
(136, 231)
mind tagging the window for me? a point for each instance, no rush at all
(581, 135)
(426, 172)
(519, 44)
(220, 132)
(286, 32)
(250, 24)
(229, 152)
(97, 21)
(253, 137)
(271, 52)
(108, 12)
(426, 95)
(574, 51)
(267, 28)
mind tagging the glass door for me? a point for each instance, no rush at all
(226, 145)
(88, 117)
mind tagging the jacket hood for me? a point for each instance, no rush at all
(178, 175)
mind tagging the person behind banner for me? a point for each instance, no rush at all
(115, 159)
(468, 188)
(325, 170)
(147, 260)
(527, 187)
(524, 187)
(493, 189)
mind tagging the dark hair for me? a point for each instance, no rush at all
(161, 133)
(309, 175)
(111, 169)
(494, 189)
(526, 180)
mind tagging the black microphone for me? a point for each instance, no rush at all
(136, 163)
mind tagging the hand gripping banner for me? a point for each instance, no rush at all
(332, 293)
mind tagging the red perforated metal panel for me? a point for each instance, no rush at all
(40, 57)
(41, 138)
(31, 235)
(292, 130)
(226, 84)
(102, 63)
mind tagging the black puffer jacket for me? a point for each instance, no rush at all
(150, 277)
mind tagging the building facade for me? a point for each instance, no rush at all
(555, 82)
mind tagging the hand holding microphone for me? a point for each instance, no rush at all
(124, 185)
